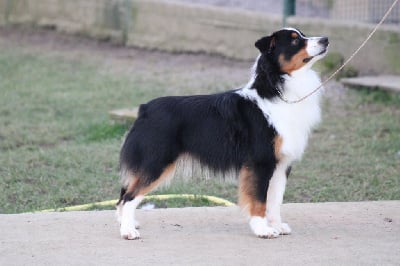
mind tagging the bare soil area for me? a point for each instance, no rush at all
(116, 58)
(191, 68)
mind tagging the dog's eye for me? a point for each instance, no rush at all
(295, 41)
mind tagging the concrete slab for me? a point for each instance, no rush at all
(362, 233)
(384, 82)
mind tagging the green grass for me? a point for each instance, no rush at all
(375, 95)
(354, 155)
(59, 148)
(57, 145)
(331, 63)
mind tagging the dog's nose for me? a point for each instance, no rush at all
(324, 41)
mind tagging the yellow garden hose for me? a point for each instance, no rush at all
(109, 203)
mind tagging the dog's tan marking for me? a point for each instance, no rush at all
(168, 172)
(247, 193)
(137, 187)
(278, 142)
(133, 180)
(296, 62)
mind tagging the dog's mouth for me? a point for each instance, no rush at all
(323, 51)
(308, 59)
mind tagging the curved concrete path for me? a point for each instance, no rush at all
(362, 233)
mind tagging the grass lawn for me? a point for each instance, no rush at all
(59, 148)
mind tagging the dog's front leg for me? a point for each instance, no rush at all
(252, 197)
(276, 190)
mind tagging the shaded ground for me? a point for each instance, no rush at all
(364, 233)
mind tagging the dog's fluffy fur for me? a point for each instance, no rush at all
(251, 130)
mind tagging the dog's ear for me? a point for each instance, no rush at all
(266, 44)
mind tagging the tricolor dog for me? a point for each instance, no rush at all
(251, 130)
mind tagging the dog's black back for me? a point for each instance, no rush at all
(223, 131)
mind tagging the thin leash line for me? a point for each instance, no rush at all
(345, 63)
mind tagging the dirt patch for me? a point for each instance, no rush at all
(117, 58)
(190, 68)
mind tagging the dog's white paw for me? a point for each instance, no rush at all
(260, 228)
(129, 233)
(267, 232)
(282, 228)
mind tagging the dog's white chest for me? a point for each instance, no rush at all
(293, 122)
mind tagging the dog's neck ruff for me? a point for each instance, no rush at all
(293, 122)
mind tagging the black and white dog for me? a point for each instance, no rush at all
(251, 130)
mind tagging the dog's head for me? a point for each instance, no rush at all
(291, 50)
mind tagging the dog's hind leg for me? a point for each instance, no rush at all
(136, 188)
(128, 228)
